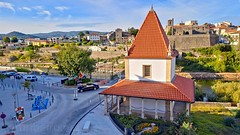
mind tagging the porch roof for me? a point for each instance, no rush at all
(181, 89)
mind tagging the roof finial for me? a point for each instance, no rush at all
(152, 8)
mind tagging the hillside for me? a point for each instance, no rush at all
(45, 35)
(18, 35)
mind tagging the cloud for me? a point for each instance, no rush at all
(25, 8)
(44, 12)
(67, 25)
(7, 5)
(38, 7)
(61, 8)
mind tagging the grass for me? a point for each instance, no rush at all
(19, 69)
(210, 124)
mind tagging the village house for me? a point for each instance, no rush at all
(150, 88)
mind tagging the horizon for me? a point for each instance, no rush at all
(33, 17)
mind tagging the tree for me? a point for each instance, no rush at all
(2, 77)
(87, 32)
(133, 31)
(6, 39)
(81, 34)
(27, 86)
(72, 60)
(14, 39)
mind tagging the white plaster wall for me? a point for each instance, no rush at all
(158, 69)
(173, 67)
(149, 104)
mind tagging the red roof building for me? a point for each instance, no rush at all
(150, 87)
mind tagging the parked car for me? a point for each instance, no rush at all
(18, 76)
(3, 72)
(8, 74)
(31, 78)
(87, 87)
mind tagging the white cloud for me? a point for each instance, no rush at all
(44, 12)
(61, 8)
(7, 5)
(38, 7)
(25, 8)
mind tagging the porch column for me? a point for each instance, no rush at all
(112, 101)
(105, 104)
(156, 108)
(188, 108)
(130, 106)
(142, 108)
(118, 104)
(171, 109)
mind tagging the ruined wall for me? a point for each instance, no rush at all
(187, 42)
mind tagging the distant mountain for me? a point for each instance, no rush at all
(45, 35)
(60, 33)
(18, 35)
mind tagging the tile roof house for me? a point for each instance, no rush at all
(150, 87)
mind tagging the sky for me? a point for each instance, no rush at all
(37, 16)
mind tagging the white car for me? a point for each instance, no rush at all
(30, 78)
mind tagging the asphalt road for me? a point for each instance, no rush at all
(62, 115)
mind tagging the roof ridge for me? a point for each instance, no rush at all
(181, 92)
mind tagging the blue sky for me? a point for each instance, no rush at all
(34, 16)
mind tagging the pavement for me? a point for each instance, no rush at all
(100, 123)
(64, 113)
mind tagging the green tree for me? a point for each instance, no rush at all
(87, 32)
(14, 39)
(26, 85)
(2, 77)
(73, 60)
(133, 31)
(81, 34)
(6, 39)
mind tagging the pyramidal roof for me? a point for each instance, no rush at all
(151, 40)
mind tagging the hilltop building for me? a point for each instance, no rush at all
(150, 88)
(190, 35)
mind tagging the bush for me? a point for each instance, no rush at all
(22, 69)
(238, 114)
(229, 122)
(86, 80)
(70, 82)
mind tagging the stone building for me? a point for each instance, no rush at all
(188, 35)
(150, 88)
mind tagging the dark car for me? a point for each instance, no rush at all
(8, 74)
(87, 87)
(18, 76)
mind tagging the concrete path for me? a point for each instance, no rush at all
(100, 123)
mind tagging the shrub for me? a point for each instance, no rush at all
(22, 69)
(237, 114)
(70, 82)
(86, 80)
(229, 122)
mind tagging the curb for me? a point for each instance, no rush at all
(85, 115)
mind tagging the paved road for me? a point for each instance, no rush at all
(62, 115)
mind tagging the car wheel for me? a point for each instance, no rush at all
(81, 91)
(95, 88)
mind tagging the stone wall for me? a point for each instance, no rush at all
(206, 75)
(223, 104)
(187, 42)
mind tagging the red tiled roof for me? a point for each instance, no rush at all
(182, 89)
(151, 40)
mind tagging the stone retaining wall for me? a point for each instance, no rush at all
(223, 104)
(206, 75)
